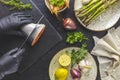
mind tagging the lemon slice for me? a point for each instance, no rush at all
(88, 67)
(64, 60)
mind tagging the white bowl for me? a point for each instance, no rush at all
(48, 6)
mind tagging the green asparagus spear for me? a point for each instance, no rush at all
(92, 2)
(95, 17)
(83, 11)
(95, 13)
(94, 7)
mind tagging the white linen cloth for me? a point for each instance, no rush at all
(107, 50)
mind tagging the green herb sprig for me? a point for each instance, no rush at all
(16, 4)
(58, 3)
(78, 55)
(73, 37)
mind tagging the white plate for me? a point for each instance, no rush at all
(54, 65)
(105, 21)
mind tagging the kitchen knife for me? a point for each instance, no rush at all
(20, 47)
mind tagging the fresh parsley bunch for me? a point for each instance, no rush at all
(73, 37)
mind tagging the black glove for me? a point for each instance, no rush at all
(14, 21)
(10, 61)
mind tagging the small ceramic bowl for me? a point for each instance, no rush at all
(48, 6)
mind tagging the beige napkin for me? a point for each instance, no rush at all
(107, 50)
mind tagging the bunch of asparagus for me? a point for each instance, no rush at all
(93, 9)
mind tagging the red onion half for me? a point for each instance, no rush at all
(76, 74)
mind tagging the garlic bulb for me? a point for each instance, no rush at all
(69, 24)
(84, 2)
(85, 65)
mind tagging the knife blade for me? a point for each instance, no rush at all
(24, 42)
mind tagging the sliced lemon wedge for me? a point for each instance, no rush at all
(88, 67)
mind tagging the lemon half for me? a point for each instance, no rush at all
(64, 60)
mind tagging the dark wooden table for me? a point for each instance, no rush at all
(39, 71)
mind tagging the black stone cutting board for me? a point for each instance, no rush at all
(48, 40)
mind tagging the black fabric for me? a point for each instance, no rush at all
(14, 21)
(10, 61)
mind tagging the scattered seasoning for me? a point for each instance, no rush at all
(16, 4)
(73, 37)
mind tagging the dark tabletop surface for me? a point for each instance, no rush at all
(39, 71)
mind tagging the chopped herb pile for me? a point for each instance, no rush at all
(16, 4)
(73, 37)
(77, 56)
(58, 3)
